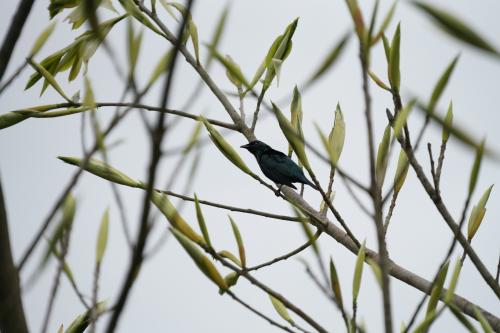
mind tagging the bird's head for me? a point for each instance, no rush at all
(256, 147)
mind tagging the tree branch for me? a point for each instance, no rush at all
(12, 318)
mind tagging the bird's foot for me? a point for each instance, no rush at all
(278, 191)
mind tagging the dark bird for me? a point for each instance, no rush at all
(277, 166)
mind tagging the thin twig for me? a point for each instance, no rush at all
(289, 305)
(46, 114)
(439, 168)
(257, 312)
(257, 109)
(390, 211)
(431, 159)
(356, 199)
(14, 76)
(287, 255)
(57, 278)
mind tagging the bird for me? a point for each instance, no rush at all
(277, 166)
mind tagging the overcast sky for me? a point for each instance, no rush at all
(171, 295)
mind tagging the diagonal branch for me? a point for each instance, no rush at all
(12, 318)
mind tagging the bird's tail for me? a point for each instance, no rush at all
(312, 185)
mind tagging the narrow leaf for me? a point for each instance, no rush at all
(102, 237)
(42, 38)
(482, 320)
(456, 27)
(102, 170)
(448, 123)
(475, 167)
(292, 136)
(437, 288)
(239, 241)
(453, 282)
(201, 222)
(203, 263)
(280, 309)
(174, 218)
(402, 117)
(383, 156)
(335, 284)
(330, 60)
(49, 78)
(441, 85)
(358, 272)
(394, 68)
(477, 214)
(225, 148)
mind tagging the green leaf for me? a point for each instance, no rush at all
(280, 49)
(193, 138)
(42, 38)
(402, 117)
(394, 68)
(233, 70)
(387, 49)
(336, 137)
(68, 210)
(134, 46)
(458, 132)
(401, 171)
(377, 271)
(280, 309)
(461, 318)
(378, 81)
(217, 35)
(330, 60)
(308, 232)
(102, 170)
(456, 27)
(161, 67)
(292, 136)
(133, 10)
(239, 241)
(296, 115)
(477, 214)
(437, 288)
(448, 123)
(174, 218)
(203, 263)
(81, 322)
(475, 167)
(441, 85)
(385, 23)
(225, 148)
(335, 284)
(201, 221)
(193, 32)
(482, 320)
(11, 118)
(49, 78)
(228, 255)
(102, 237)
(383, 156)
(357, 18)
(358, 272)
(453, 282)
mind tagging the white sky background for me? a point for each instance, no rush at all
(171, 295)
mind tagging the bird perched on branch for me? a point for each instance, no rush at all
(277, 166)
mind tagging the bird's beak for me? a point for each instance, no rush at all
(245, 146)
